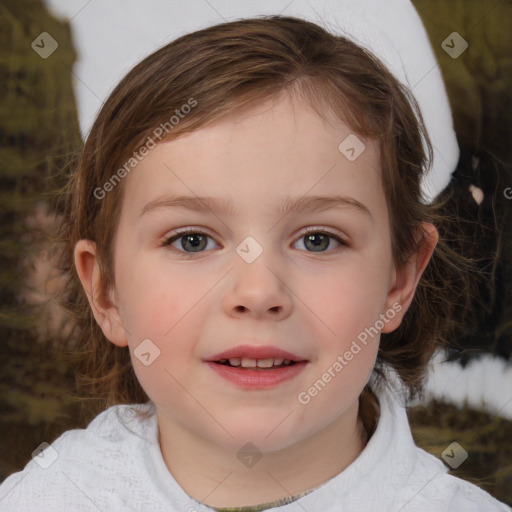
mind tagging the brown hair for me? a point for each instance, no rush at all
(224, 68)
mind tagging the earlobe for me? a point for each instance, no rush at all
(407, 277)
(103, 307)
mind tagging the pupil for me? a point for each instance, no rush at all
(318, 243)
(196, 245)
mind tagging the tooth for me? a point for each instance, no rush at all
(234, 361)
(287, 361)
(222, 361)
(248, 363)
(265, 363)
(277, 362)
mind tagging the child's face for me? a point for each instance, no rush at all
(313, 304)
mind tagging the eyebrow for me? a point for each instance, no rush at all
(220, 206)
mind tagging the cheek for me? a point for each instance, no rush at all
(338, 382)
(349, 301)
(348, 309)
(153, 300)
(348, 343)
(168, 369)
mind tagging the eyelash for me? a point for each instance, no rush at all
(179, 234)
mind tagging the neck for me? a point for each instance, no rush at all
(213, 475)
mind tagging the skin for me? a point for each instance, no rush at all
(313, 304)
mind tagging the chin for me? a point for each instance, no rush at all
(267, 434)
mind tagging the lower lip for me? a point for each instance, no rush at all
(257, 379)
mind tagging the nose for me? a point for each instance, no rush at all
(258, 291)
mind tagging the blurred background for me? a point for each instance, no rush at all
(468, 397)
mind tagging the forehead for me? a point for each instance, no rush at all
(254, 157)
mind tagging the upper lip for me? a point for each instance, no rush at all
(256, 352)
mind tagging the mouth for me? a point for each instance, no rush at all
(253, 367)
(267, 357)
(256, 364)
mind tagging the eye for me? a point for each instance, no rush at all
(319, 240)
(190, 240)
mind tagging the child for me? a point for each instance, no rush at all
(251, 286)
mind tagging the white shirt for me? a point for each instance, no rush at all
(115, 465)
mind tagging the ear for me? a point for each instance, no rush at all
(103, 307)
(406, 278)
